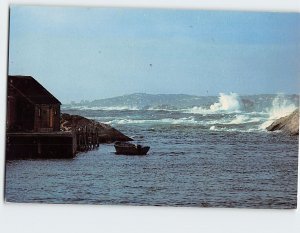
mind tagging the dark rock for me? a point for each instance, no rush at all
(106, 132)
(288, 124)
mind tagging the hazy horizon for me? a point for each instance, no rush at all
(218, 95)
(84, 53)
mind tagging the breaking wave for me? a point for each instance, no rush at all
(227, 103)
(227, 112)
(280, 107)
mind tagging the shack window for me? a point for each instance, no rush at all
(40, 112)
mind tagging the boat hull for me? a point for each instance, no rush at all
(127, 150)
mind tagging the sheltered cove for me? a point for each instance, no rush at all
(37, 129)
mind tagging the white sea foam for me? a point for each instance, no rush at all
(229, 114)
(227, 103)
(213, 128)
(243, 119)
(198, 110)
(280, 107)
(162, 109)
(234, 125)
(185, 120)
(113, 108)
(119, 108)
(222, 129)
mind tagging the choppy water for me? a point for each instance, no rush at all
(207, 159)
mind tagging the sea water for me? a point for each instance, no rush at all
(214, 154)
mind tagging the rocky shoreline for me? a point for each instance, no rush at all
(107, 134)
(288, 124)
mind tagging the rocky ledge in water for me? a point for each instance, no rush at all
(106, 132)
(288, 124)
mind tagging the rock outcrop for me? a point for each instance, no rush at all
(288, 124)
(106, 132)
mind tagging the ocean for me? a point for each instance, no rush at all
(205, 152)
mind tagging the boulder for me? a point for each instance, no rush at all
(288, 124)
(106, 132)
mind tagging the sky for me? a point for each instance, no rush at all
(81, 53)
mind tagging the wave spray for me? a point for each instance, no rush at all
(227, 103)
(280, 107)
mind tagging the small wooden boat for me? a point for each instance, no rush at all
(126, 148)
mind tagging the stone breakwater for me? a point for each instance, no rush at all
(288, 124)
(106, 132)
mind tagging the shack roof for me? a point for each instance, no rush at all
(32, 89)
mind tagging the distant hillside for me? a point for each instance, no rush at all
(184, 101)
(142, 100)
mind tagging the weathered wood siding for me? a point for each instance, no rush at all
(47, 118)
(20, 113)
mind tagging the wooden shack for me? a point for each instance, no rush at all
(33, 122)
(30, 107)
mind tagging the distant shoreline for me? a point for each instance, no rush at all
(179, 94)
